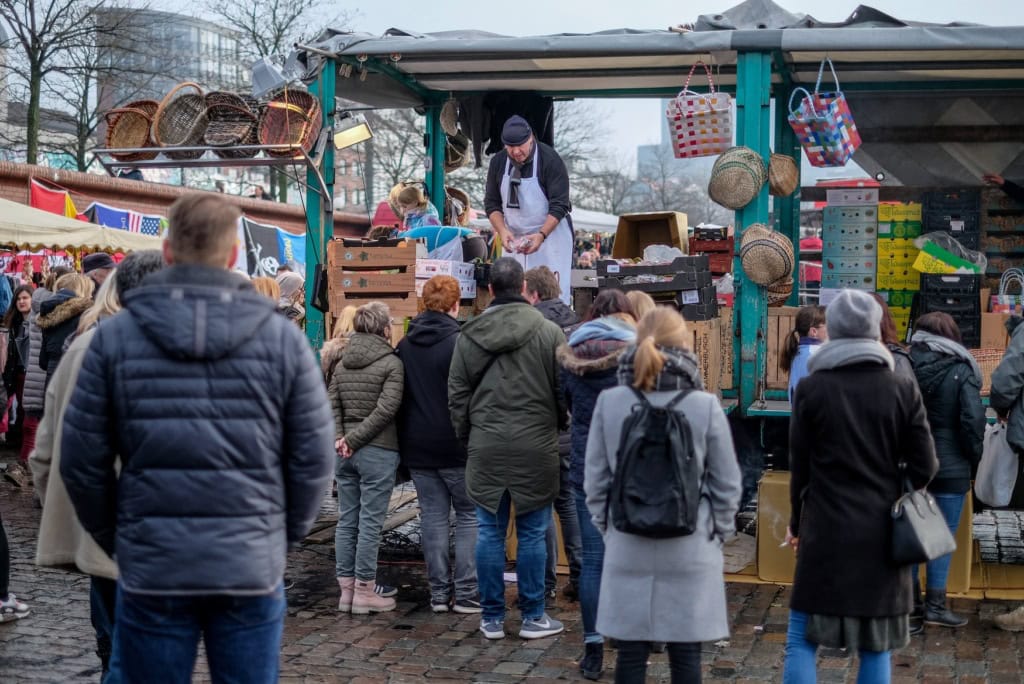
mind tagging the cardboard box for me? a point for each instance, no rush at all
(428, 268)
(775, 563)
(637, 231)
(850, 216)
(852, 197)
(853, 281)
(993, 331)
(467, 288)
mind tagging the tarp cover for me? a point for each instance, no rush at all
(24, 226)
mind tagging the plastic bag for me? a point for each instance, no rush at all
(661, 254)
(997, 472)
(949, 257)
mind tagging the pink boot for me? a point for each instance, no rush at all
(367, 601)
(347, 585)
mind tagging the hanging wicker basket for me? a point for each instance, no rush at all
(767, 255)
(783, 175)
(232, 122)
(778, 292)
(129, 127)
(181, 120)
(456, 152)
(292, 117)
(737, 177)
(456, 207)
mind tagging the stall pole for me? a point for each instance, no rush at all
(753, 129)
(787, 209)
(320, 210)
(435, 158)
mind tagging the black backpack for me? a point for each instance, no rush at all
(656, 487)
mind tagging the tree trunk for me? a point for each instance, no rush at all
(279, 185)
(35, 84)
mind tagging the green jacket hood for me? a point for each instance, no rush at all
(504, 328)
(363, 349)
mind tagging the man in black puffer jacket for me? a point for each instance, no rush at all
(218, 411)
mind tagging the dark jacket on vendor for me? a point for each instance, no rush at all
(505, 404)
(425, 435)
(217, 409)
(554, 180)
(952, 397)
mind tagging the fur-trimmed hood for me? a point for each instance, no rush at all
(584, 365)
(60, 308)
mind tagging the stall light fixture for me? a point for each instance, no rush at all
(351, 129)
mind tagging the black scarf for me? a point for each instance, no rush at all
(515, 178)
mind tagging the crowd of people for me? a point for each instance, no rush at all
(185, 436)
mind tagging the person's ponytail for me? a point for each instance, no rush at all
(789, 350)
(647, 364)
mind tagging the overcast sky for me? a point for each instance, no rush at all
(638, 122)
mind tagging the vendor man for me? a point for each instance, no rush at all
(527, 202)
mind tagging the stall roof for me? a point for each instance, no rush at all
(24, 226)
(871, 50)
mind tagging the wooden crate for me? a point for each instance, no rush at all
(707, 346)
(726, 337)
(781, 321)
(361, 283)
(401, 306)
(368, 258)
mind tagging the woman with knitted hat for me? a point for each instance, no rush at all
(854, 424)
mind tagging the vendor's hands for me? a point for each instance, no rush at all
(993, 179)
(793, 542)
(341, 446)
(531, 243)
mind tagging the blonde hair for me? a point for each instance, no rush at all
(267, 287)
(642, 303)
(661, 327)
(81, 285)
(106, 305)
(346, 322)
(406, 192)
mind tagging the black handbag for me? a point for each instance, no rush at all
(920, 532)
(320, 300)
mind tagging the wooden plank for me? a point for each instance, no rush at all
(371, 258)
(400, 497)
(399, 518)
(726, 341)
(401, 306)
(771, 365)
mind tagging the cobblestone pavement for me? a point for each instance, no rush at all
(55, 643)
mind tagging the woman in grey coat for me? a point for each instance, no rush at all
(668, 590)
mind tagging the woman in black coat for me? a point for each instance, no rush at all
(855, 421)
(950, 383)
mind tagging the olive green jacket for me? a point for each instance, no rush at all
(508, 411)
(366, 392)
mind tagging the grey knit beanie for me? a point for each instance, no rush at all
(853, 313)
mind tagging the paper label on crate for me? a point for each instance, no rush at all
(956, 226)
(613, 268)
(690, 296)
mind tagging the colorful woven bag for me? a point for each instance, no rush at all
(699, 124)
(823, 123)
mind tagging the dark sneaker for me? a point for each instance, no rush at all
(492, 629)
(544, 626)
(551, 593)
(467, 606)
(592, 662)
(571, 591)
(385, 590)
(439, 605)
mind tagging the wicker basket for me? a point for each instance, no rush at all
(456, 152)
(129, 126)
(783, 175)
(233, 121)
(737, 177)
(452, 214)
(778, 292)
(767, 255)
(181, 120)
(987, 360)
(292, 117)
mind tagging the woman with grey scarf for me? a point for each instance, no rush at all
(950, 383)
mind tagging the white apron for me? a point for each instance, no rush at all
(556, 250)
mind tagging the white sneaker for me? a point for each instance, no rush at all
(544, 626)
(12, 609)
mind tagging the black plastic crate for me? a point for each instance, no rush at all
(608, 267)
(700, 296)
(968, 240)
(956, 224)
(950, 283)
(670, 282)
(700, 312)
(966, 305)
(955, 201)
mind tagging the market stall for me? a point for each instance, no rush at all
(24, 227)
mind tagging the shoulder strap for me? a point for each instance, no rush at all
(682, 394)
(639, 395)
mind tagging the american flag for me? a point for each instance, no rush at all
(134, 222)
(151, 225)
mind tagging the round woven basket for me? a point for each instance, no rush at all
(767, 255)
(181, 120)
(452, 216)
(234, 120)
(783, 175)
(450, 117)
(736, 178)
(292, 117)
(129, 126)
(456, 152)
(779, 291)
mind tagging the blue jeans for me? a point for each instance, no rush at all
(799, 667)
(951, 506)
(102, 601)
(438, 492)
(531, 555)
(365, 482)
(592, 563)
(565, 506)
(158, 636)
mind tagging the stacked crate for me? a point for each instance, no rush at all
(359, 273)
(957, 212)
(685, 281)
(717, 244)
(849, 254)
(958, 295)
(899, 225)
